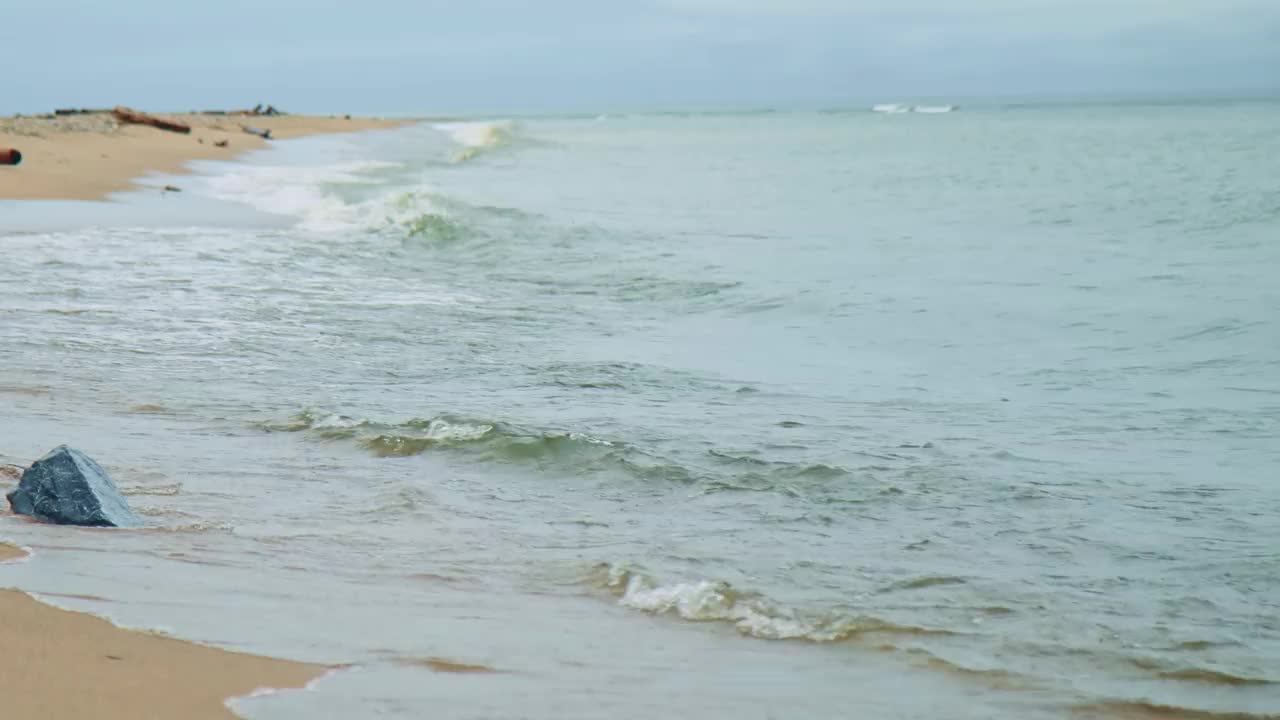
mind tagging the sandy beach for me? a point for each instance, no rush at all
(59, 664)
(86, 157)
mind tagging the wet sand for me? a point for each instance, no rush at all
(9, 553)
(86, 157)
(59, 664)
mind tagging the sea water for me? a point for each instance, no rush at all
(761, 415)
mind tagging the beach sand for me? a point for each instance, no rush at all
(86, 157)
(57, 664)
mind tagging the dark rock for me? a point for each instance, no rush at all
(69, 488)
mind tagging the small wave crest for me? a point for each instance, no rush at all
(580, 453)
(1195, 674)
(752, 614)
(493, 440)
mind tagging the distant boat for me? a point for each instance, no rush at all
(891, 109)
(934, 109)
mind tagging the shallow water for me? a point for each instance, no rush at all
(776, 415)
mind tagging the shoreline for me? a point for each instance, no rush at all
(90, 156)
(61, 663)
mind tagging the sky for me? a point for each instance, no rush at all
(437, 57)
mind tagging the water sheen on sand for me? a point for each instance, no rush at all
(968, 415)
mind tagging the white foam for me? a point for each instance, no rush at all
(708, 600)
(438, 429)
(334, 421)
(297, 191)
(262, 692)
(479, 134)
(704, 600)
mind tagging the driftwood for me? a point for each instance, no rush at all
(264, 134)
(220, 143)
(10, 156)
(126, 115)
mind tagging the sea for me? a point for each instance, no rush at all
(774, 414)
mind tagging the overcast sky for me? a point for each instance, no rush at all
(431, 56)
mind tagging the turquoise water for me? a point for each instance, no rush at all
(774, 415)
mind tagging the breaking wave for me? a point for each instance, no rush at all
(478, 137)
(750, 613)
(301, 192)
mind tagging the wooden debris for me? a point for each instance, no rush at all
(172, 188)
(258, 110)
(220, 143)
(10, 156)
(126, 115)
(264, 134)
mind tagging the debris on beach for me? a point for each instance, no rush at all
(172, 188)
(43, 126)
(221, 143)
(126, 115)
(67, 487)
(63, 112)
(264, 134)
(258, 110)
(10, 156)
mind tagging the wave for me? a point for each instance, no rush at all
(415, 436)
(478, 137)
(435, 227)
(1207, 676)
(1212, 677)
(302, 192)
(161, 490)
(993, 677)
(898, 109)
(752, 614)
(1147, 710)
(574, 451)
